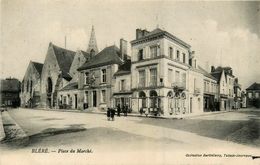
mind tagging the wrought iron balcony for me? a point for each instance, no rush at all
(179, 85)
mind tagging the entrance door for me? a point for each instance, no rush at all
(76, 101)
(94, 98)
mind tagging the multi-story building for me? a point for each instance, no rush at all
(161, 74)
(162, 77)
(96, 77)
(225, 80)
(122, 93)
(252, 93)
(210, 92)
(237, 95)
(31, 85)
(9, 92)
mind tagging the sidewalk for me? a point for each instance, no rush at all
(15, 135)
(181, 116)
(2, 132)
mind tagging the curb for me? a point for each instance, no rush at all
(15, 135)
(2, 131)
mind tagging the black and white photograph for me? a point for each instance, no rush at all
(127, 82)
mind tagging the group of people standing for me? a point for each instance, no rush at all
(111, 112)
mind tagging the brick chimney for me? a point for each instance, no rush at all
(139, 33)
(123, 48)
(212, 69)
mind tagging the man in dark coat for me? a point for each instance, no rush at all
(108, 113)
(113, 114)
(126, 110)
(118, 110)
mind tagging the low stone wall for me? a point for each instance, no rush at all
(14, 134)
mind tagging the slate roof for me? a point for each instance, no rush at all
(10, 85)
(217, 75)
(124, 69)
(64, 57)
(205, 73)
(109, 55)
(70, 86)
(159, 31)
(218, 71)
(255, 86)
(85, 54)
(38, 66)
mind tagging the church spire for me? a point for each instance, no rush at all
(92, 45)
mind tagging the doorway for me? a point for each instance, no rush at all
(76, 101)
(94, 98)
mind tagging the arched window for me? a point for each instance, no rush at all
(31, 85)
(153, 98)
(143, 98)
(49, 85)
(170, 94)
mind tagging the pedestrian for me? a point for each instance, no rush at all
(108, 114)
(123, 109)
(126, 110)
(118, 110)
(113, 114)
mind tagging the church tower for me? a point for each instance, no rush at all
(92, 45)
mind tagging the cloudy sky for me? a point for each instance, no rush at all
(221, 33)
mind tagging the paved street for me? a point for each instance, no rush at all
(201, 134)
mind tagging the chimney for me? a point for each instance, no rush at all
(231, 72)
(123, 48)
(212, 69)
(139, 33)
(145, 32)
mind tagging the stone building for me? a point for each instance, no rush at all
(210, 92)
(122, 93)
(96, 77)
(31, 85)
(237, 95)
(55, 74)
(68, 96)
(162, 74)
(225, 80)
(9, 92)
(252, 93)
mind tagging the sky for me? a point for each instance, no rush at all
(220, 33)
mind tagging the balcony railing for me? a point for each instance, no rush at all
(179, 85)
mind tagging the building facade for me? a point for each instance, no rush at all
(225, 79)
(31, 85)
(9, 92)
(210, 92)
(162, 77)
(55, 74)
(252, 93)
(96, 78)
